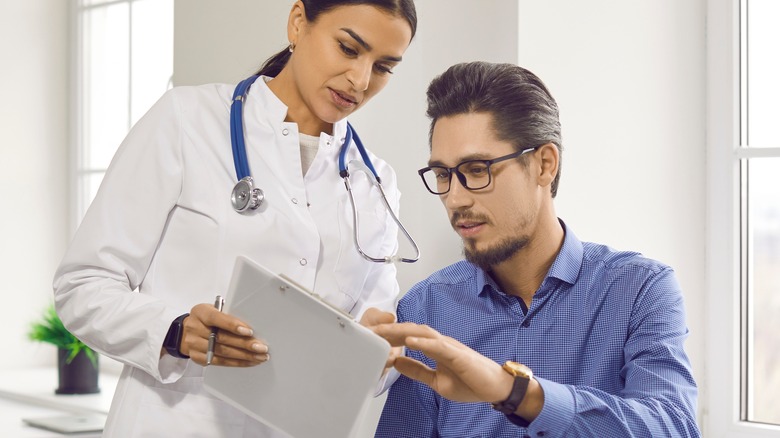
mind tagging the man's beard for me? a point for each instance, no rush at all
(497, 254)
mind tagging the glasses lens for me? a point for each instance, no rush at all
(437, 179)
(477, 174)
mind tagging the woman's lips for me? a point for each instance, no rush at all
(343, 100)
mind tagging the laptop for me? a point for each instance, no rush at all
(323, 368)
(69, 424)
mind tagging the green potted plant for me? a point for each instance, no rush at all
(77, 364)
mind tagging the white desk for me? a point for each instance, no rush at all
(27, 393)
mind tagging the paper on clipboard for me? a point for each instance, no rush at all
(323, 367)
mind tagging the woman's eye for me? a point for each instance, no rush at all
(384, 69)
(347, 51)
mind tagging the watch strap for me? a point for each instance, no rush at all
(519, 388)
(173, 338)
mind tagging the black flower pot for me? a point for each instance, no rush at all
(77, 377)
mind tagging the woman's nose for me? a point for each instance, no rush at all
(360, 75)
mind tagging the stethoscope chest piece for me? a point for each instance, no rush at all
(246, 196)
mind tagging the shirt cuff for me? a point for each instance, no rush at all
(172, 368)
(386, 381)
(557, 413)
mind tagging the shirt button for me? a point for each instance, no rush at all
(343, 140)
(526, 324)
(327, 143)
(285, 131)
(294, 201)
(303, 262)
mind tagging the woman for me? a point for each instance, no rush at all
(163, 223)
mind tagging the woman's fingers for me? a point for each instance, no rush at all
(234, 344)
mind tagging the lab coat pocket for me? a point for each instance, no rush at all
(352, 269)
(184, 409)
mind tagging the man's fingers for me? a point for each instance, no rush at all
(415, 370)
(373, 316)
(442, 349)
(396, 334)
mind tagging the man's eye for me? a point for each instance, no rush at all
(475, 169)
(441, 174)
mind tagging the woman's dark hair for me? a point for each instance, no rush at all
(523, 110)
(314, 8)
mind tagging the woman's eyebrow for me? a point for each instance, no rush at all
(367, 46)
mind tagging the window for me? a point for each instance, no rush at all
(759, 162)
(743, 220)
(124, 63)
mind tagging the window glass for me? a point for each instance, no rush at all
(763, 69)
(105, 98)
(763, 211)
(152, 53)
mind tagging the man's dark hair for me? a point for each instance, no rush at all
(523, 110)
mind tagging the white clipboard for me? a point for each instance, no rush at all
(323, 368)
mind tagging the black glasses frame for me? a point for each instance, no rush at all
(462, 177)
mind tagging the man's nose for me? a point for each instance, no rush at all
(458, 196)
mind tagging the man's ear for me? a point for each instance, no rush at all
(548, 157)
(296, 22)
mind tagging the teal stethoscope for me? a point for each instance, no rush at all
(246, 197)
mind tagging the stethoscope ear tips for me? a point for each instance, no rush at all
(246, 196)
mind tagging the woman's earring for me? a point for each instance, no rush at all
(292, 47)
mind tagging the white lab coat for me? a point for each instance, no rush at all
(162, 223)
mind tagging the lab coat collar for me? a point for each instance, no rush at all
(261, 100)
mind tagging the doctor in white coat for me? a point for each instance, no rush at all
(160, 239)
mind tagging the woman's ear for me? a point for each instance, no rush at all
(548, 159)
(296, 22)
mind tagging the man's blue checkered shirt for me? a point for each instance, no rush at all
(604, 336)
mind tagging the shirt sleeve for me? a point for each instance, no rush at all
(659, 396)
(95, 285)
(410, 409)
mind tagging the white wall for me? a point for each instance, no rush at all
(34, 81)
(630, 81)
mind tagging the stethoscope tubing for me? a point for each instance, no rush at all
(250, 197)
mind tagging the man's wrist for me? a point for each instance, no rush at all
(532, 403)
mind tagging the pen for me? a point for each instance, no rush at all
(218, 303)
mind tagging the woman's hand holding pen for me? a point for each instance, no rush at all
(235, 345)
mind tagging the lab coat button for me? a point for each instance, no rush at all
(285, 131)
(303, 262)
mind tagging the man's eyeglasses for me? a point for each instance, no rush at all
(472, 174)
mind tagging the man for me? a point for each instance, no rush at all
(536, 333)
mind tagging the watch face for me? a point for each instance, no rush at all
(518, 369)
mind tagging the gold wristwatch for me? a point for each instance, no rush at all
(522, 375)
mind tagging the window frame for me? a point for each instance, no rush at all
(724, 383)
(79, 194)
